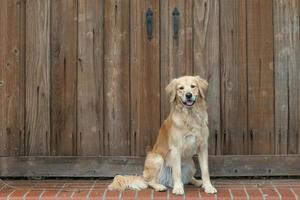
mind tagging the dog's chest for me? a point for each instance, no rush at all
(190, 144)
(190, 126)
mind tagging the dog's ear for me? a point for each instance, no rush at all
(171, 90)
(202, 86)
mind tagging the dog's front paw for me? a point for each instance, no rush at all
(160, 188)
(178, 189)
(208, 188)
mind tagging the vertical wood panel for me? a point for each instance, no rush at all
(294, 84)
(63, 76)
(189, 36)
(297, 119)
(260, 76)
(165, 28)
(233, 76)
(206, 63)
(286, 38)
(144, 77)
(37, 77)
(281, 42)
(116, 77)
(11, 77)
(101, 76)
(90, 78)
(287, 76)
(176, 54)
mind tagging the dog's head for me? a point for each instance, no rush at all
(187, 90)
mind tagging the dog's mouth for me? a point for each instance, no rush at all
(188, 102)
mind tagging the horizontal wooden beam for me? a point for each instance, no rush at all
(66, 166)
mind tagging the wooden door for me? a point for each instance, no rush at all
(82, 83)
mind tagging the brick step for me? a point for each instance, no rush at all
(96, 189)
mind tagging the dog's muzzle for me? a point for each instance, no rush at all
(189, 100)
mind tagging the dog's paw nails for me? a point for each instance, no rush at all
(209, 189)
(178, 190)
(160, 188)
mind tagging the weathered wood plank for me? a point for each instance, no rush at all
(56, 166)
(37, 77)
(280, 80)
(22, 79)
(144, 77)
(116, 78)
(90, 78)
(12, 76)
(290, 37)
(164, 57)
(189, 36)
(63, 76)
(206, 63)
(287, 84)
(233, 76)
(260, 76)
(294, 84)
(176, 58)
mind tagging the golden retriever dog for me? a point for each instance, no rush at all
(183, 134)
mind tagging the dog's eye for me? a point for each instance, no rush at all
(181, 88)
(193, 86)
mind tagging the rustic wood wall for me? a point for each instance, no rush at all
(80, 77)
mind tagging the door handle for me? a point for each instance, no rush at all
(175, 14)
(149, 23)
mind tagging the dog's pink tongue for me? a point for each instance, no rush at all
(189, 103)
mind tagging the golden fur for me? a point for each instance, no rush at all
(183, 134)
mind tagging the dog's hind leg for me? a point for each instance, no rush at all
(188, 173)
(195, 182)
(153, 164)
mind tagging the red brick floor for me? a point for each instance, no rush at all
(237, 189)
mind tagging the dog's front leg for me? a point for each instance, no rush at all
(203, 161)
(175, 161)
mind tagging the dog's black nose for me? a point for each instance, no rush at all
(188, 95)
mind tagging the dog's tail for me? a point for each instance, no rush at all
(128, 182)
